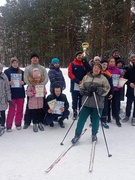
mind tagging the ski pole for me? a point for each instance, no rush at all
(109, 155)
(67, 133)
(73, 122)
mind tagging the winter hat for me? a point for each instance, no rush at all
(120, 61)
(103, 61)
(13, 59)
(77, 53)
(97, 57)
(55, 60)
(132, 55)
(114, 50)
(34, 55)
(36, 73)
(99, 65)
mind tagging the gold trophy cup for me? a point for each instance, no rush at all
(85, 46)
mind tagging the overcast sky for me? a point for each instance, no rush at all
(2, 2)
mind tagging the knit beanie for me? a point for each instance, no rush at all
(77, 53)
(34, 55)
(36, 73)
(103, 61)
(13, 59)
(97, 57)
(114, 50)
(55, 60)
(132, 55)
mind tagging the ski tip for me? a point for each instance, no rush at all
(61, 144)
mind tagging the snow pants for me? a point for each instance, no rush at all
(85, 112)
(15, 112)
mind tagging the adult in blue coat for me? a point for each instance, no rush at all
(55, 75)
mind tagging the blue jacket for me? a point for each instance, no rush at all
(56, 78)
(16, 93)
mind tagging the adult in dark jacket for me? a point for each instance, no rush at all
(59, 114)
(115, 54)
(76, 72)
(108, 97)
(55, 75)
(97, 83)
(15, 77)
(130, 76)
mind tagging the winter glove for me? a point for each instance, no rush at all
(92, 88)
(86, 93)
(100, 91)
(11, 103)
(84, 59)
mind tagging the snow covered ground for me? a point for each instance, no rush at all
(25, 155)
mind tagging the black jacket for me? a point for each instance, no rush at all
(130, 75)
(52, 96)
(16, 93)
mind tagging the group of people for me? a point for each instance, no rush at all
(94, 90)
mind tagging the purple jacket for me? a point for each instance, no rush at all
(116, 74)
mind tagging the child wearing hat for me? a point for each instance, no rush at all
(36, 99)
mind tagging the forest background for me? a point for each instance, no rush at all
(57, 28)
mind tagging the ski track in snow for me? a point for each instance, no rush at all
(25, 155)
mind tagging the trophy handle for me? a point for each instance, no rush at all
(85, 46)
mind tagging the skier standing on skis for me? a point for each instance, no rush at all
(93, 82)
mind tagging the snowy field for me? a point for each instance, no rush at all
(25, 155)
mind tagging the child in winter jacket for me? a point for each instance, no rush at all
(5, 98)
(36, 94)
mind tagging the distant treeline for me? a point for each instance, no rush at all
(57, 28)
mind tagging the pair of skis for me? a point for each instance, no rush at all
(92, 155)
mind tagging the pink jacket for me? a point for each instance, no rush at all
(34, 102)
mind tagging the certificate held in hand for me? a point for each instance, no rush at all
(39, 91)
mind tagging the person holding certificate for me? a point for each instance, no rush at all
(16, 82)
(56, 107)
(115, 104)
(36, 92)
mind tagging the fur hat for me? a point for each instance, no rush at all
(34, 55)
(77, 53)
(13, 59)
(55, 60)
(36, 73)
